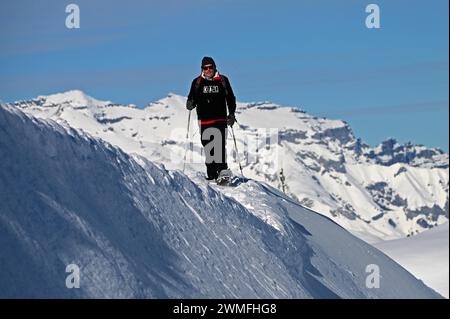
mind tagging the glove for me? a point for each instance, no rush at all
(190, 105)
(231, 119)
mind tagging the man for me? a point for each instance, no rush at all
(210, 93)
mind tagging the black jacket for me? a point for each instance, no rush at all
(210, 99)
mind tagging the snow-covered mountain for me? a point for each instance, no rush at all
(387, 192)
(425, 255)
(138, 230)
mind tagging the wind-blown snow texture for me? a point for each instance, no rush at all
(380, 193)
(138, 230)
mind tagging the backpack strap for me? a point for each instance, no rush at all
(197, 83)
(222, 80)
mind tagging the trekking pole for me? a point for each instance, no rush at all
(237, 153)
(187, 140)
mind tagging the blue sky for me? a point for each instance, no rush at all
(318, 55)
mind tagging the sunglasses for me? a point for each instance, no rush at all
(208, 67)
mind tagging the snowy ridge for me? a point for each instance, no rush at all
(138, 230)
(74, 97)
(387, 192)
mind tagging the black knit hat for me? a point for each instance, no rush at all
(208, 60)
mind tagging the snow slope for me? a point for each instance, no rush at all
(424, 255)
(138, 230)
(380, 193)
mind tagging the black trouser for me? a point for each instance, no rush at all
(213, 137)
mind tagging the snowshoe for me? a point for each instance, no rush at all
(225, 177)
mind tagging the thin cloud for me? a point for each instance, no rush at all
(331, 76)
(59, 44)
(431, 106)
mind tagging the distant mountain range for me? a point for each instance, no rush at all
(387, 192)
(134, 229)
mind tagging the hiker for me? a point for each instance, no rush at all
(211, 93)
